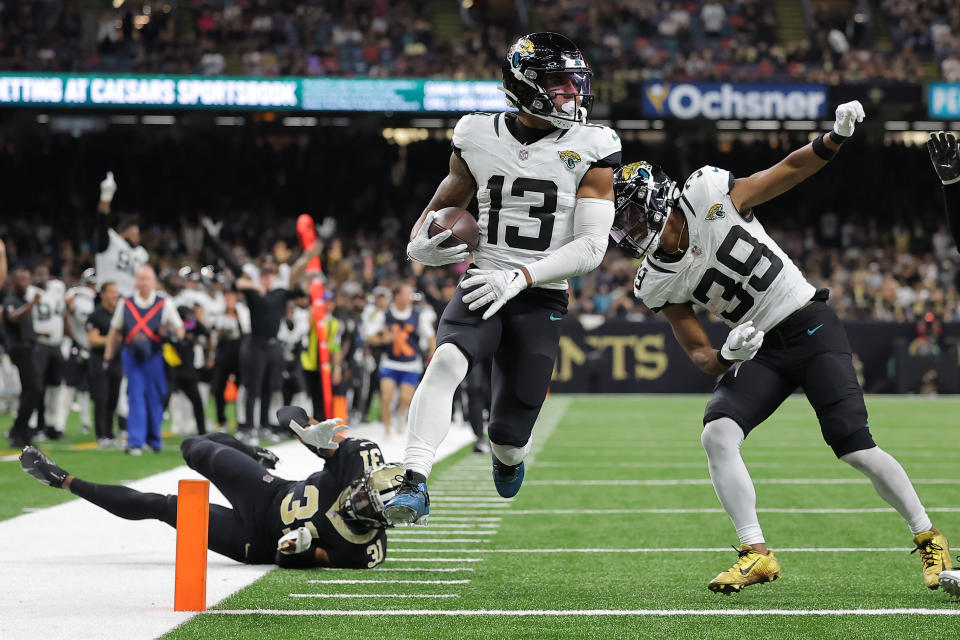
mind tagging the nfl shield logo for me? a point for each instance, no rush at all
(524, 154)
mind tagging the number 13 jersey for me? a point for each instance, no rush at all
(527, 192)
(731, 267)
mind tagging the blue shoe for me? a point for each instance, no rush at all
(507, 479)
(411, 504)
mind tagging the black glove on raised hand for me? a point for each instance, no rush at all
(945, 156)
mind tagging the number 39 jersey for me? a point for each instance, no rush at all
(732, 267)
(527, 193)
(313, 503)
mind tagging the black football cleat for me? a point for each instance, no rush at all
(38, 465)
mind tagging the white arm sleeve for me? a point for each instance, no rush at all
(592, 220)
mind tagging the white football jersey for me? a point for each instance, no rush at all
(84, 302)
(527, 192)
(732, 267)
(48, 312)
(120, 263)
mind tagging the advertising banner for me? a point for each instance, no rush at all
(644, 357)
(726, 101)
(248, 93)
(943, 100)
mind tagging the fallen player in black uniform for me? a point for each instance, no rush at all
(334, 518)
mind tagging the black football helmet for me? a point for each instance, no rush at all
(361, 505)
(645, 198)
(526, 73)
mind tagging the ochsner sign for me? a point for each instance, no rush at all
(716, 101)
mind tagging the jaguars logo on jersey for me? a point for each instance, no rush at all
(716, 211)
(570, 158)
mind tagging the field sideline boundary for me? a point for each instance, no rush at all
(584, 612)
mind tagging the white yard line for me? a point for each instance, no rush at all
(418, 569)
(433, 559)
(438, 540)
(705, 481)
(374, 595)
(397, 535)
(564, 512)
(120, 573)
(337, 581)
(662, 550)
(586, 612)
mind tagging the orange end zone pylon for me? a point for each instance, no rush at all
(193, 516)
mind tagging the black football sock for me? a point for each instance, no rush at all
(415, 478)
(233, 443)
(127, 503)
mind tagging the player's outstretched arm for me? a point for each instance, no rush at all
(322, 438)
(742, 343)
(108, 187)
(456, 190)
(945, 155)
(799, 165)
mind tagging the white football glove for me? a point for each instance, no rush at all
(320, 435)
(297, 541)
(213, 228)
(848, 115)
(107, 188)
(743, 342)
(427, 250)
(495, 287)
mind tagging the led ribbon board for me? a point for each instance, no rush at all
(94, 91)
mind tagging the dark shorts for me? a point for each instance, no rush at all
(809, 350)
(51, 364)
(76, 372)
(524, 339)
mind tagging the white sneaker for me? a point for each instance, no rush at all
(950, 582)
(134, 451)
(107, 443)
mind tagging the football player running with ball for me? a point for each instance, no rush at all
(543, 179)
(702, 244)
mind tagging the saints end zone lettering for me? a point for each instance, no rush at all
(647, 360)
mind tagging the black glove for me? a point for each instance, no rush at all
(945, 156)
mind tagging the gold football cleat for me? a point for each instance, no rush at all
(934, 555)
(752, 567)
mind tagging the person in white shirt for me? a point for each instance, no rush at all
(49, 321)
(142, 322)
(81, 301)
(119, 253)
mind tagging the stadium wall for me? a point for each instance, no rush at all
(630, 357)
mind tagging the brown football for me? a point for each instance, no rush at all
(461, 222)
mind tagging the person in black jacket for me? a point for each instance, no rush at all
(261, 355)
(334, 518)
(21, 345)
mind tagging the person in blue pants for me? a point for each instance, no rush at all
(141, 324)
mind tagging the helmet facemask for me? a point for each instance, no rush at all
(362, 506)
(645, 199)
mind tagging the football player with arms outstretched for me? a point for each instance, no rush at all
(945, 155)
(543, 179)
(334, 518)
(702, 244)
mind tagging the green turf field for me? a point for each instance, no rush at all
(618, 482)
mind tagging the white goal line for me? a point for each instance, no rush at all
(584, 612)
(660, 550)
